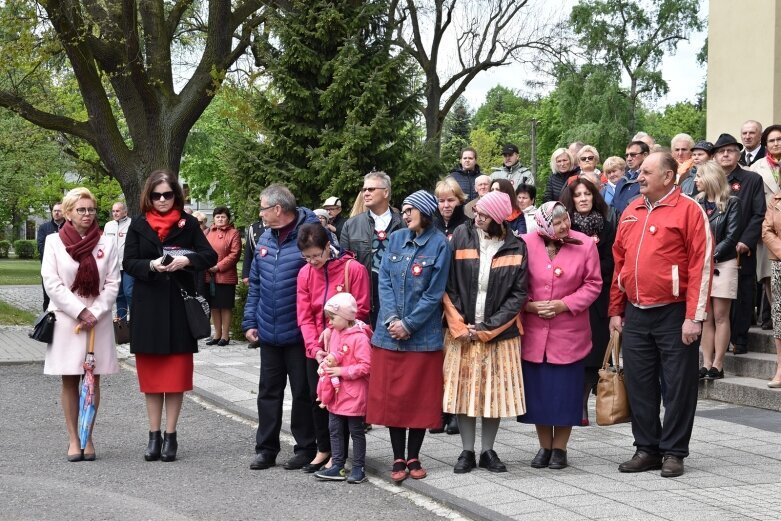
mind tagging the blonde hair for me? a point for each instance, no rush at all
(589, 148)
(450, 186)
(714, 182)
(330, 315)
(614, 163)
(73, 197)
(558, 152)
(358, 206)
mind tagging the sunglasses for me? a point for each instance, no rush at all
(371, 189)
(156, 196)
(633, 154)
(587, 158)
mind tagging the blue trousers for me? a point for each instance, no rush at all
(125, 295)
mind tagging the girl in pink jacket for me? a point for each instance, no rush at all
(349, 360)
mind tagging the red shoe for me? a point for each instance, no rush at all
(399, 472)
(584, 422)
(416, 470)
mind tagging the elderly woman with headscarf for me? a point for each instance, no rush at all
(405, 389)
(564, 280)
(482, 345)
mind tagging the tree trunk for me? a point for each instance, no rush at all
(432, 116)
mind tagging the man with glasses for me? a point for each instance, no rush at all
(748, 187)
(750, 135)
(467, 172)
(117, 230)
(513, 170)
(627, 187)
(333, 205)
(47, 228)
(367, 234)
(270, 318)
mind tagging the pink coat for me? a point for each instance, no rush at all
(353, 346)
(572, 276)
(66, 352)
(316, 286)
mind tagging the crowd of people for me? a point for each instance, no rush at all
(468, 302)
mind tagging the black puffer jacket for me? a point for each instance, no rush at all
(726, 228)
(506, 285)
(457, 219)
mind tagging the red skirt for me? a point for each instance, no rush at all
(165, 373)
(405, 389)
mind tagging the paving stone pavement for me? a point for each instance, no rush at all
(733, 472)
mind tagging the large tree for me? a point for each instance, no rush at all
(127, 57)
(633, 36)
(485, 33)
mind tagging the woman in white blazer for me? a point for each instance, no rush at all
(80, 273)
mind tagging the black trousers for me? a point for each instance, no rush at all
(319, 415)
(341, 428)
(742, 311)
(277, 364)
(652, 347)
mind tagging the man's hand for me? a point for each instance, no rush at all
(251, 335)
(616, 324)
(690, 331)
(742, 248)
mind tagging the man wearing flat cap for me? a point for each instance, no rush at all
(333, 205)
(701, 153)
(513, 170)
(747, 186)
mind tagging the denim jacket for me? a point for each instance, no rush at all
(413, 278)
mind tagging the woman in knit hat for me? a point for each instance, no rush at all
(482, 368)
(563, 282)
(405, 390)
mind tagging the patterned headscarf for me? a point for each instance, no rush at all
(544, 219)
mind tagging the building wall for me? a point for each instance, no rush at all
(744, 74)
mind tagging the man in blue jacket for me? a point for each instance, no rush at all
(270, 318)
(627, 187)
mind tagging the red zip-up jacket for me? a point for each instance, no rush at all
(663, 256)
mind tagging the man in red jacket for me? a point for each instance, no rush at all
(659, 297)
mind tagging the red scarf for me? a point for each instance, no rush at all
(774, 166)
(87, 282)
(162, 223)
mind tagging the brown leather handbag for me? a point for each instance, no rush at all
(612, 398)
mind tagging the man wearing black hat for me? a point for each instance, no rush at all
(701, 153)
(753, 149)
(513, 170)
(747, 186)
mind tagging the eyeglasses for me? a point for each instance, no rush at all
(310, 258)
(371, 189)
(587, 158)
(88, 211)
(264, 208)
(633, 154)
(156, 196)
(726, 151)
(774, 141)
(407, 212)
(480, 216)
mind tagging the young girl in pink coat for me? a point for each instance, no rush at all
(349, 360)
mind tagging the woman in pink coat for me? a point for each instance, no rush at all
(80, 273)
(328, 271)
(563, 281)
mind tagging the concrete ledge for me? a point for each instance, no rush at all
(753, 365)
(760, 341)
(739, 390)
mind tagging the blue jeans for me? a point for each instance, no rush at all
(125, 295)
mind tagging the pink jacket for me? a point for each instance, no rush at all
(353, 346)
(316, 286)
(572, 276)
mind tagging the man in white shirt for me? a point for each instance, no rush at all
(750, 135)
(117, 229)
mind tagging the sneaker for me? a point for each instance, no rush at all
(714, 374)
(357, 475)
(703, 372)
(333, 473)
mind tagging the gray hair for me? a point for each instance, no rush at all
(382, 176)
(558, 211)
(682, 137)
(279, 194)
(122, 204)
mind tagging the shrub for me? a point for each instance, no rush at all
(5, 246)
(25, 249)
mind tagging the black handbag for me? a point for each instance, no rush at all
(121, 329)
(43, 330)
(197, 311)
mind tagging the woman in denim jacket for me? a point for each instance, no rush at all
(405, 390)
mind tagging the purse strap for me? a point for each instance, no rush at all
(613, 348)
(347, 276)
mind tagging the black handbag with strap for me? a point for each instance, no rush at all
(121, 328)
(43, 329)
(197, 311)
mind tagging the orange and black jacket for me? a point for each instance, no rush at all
(506, 286)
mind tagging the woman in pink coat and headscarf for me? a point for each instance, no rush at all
(563, 281)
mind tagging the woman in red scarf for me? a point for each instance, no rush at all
(222, 278)
(160, 336)
(80, 273)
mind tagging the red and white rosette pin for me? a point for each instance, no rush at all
(735, 187)
(263, 251)
(652, 229)
(345, 348)
(417, 269)
(180, 224)
(381, 235)
(99, 254)
(558, 271)
(339, 288)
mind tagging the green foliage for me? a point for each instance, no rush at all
(486, 143)
(238, 311)
(681, 117)
(455, 131)
(13, 316)
(20, 272)
(5, 247)
(25, 249)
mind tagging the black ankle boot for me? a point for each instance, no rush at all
(153, 449)
(169, 447)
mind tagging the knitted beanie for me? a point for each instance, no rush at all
(495, 205)
(423, 201)
(343, 305)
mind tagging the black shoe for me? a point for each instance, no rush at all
(212, 341)
(311, 468)
(440, 430)
(558, 459)
(490, 460)
(703, 372)
(739, 350)
(542, 459)
(641, 462)
(672, 467)
(298, 461)
(170, 446)
(79, 456)
(465, 463)
(223, 342)
(452, 425)
(153, 449)
(714, 374)
(767, 326)
(262, 462)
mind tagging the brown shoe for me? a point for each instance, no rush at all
(672, 466)
(641, 462)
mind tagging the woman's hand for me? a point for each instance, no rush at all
(177, 264)
(213, 269)
(86, 319)
(320, 356)
(397, 331)
(333, 371)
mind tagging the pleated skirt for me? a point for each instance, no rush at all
(483, 380)
(165, 373)
(405, 389)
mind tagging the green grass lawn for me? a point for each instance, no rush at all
(16, 272)
(11, 316)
